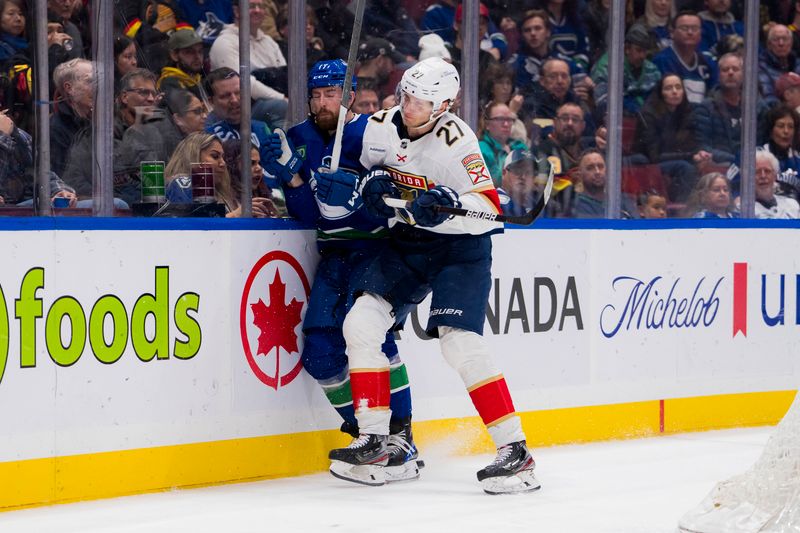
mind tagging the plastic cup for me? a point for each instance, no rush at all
(152, 176)
(203, 183)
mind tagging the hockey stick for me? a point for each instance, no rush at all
(523, 220)
(348, 78)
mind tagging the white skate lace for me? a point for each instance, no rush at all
(502, 454)
(359, 441)
(400, 442)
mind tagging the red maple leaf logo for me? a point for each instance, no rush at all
(276, 321)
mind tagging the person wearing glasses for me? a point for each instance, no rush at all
(180, 114)
(564, 144)
(775, 60)
(698, 71)
(136, 101)
(496, 141)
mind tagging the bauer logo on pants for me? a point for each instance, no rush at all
(274, 298)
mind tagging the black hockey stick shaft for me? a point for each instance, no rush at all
(521, 220)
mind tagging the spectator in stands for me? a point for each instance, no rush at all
(519, 190)
(136, 100)
(568, 36)
(199, 148)
(590, 198)
(497, 86)
(769, 204)
(205, 148)
(74, 82)
(717, 22)
(640, 75)
(125, 58)
(782, 125)
(652, 204)
(61, 11)
(698, 72)
(376, 60)
(496, 141)
(366, 101)
(655, 20)
(535, 49)
(335, 26)
(196, 11)
(12, 30)
(315, 48)
(542, 99)
(730, 44)
(185, 70)
(665, 134)
(390, 20)
(595, 16)
(711, 198)
(182, 113)
(270, 105)
(718, 120)
(492, 45)
(788, 90)
(775, 60)
(590, 202)
(439, 18)
(269, 205)
(222, 86)
(158, 20)
(491, 41)
(270, 23)
(16, 168)
(566, 142)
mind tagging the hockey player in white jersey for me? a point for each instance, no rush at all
(421, 152)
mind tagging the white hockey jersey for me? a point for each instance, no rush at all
(447, 155)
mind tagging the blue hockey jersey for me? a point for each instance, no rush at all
(336, 226)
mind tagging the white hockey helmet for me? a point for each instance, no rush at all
(433, 79)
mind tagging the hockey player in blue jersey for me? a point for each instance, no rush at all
(428, 156)
(348, 238)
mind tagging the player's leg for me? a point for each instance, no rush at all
(457, 318)
(325, 360)
(365, 330)
(512, 470)
(404, 462)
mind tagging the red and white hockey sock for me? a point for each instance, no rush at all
(371, 394)
(493, 401)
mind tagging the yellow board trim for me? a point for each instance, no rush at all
(102, 475)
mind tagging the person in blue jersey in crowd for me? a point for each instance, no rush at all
(222, 86)
(348, 239)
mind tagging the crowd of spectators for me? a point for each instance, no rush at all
(543, 95)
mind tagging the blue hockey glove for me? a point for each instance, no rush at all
(338, 189)
(280, 159)
(424, 207)
(377, 184)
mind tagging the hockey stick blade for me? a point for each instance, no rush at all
(521, 220)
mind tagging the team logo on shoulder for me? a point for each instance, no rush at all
(401, 158)
(476, 168)
(301, 151)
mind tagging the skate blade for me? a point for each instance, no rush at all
(408, 471)
(520, 482)
(371, 475)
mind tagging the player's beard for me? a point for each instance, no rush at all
(326, 120)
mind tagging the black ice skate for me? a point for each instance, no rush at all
(362, 461)
(404, 462)
(511, 471)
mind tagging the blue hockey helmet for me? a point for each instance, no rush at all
(328, 73)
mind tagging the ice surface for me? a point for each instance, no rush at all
(635, 486)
